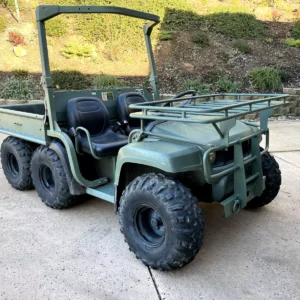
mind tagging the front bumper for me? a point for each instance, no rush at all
(243, 179)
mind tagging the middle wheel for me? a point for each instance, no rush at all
(49, 179)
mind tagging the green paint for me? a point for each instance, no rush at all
(189, 134)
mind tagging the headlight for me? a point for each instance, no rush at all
(212, 157)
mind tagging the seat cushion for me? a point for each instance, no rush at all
(123, 102)
(105, 144)
(88, 112)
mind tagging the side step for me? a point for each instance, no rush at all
(105, 192)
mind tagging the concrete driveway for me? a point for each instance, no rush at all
(79, 253)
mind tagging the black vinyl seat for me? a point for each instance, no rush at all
(92, 114)
(123, 102)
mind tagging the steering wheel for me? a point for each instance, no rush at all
(188, 101)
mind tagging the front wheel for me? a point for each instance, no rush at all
(273, 181)
(161, 221)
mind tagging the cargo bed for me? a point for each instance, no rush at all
(25, 121)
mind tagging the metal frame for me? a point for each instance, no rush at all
(225, 113)
(47, 12)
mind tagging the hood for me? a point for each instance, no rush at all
(204, 133)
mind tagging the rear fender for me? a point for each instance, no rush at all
(60, 150)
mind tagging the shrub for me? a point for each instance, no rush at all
(20, 73)
(2, 24)
(198, 85)
(165, 35)
(70, 80)
(266, 79)
(225, 85)
(16, 38)
(128, 31)
(238, 25)
(74, 49)
(296, 30)
(243, 47)
(7, 3)
(107, 81)
(275, 15)
(201, 38)
(18, 88)
(268, 40)
(56, 27)
(285, 74)
(293, 43)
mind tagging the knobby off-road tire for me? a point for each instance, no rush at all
(15, 158)
(273, 181)
(49, 179)
(161, 221)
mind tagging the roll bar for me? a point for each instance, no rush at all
(46, 12)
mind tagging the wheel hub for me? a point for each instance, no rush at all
(150, 225)
(13, 165)
(46, 178)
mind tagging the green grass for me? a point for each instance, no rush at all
(243, 47)
(266, 79)
(18, 89)
(293, 43)
(296, 30)
(165, 35)
(56, 27)
(20, 73)
(197, 85)
(224, 84)
(201, 38)
(107, 81)
(237, 25)
(74, 49)
(2, 24)
(70, 80)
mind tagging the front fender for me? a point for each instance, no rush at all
(168, 156)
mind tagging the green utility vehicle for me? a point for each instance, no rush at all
(153, 159)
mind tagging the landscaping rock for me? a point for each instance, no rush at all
(19, 51)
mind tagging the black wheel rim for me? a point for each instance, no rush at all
(46, 178)
(149, 225)
(13, 164)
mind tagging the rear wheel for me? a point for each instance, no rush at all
(161, 221)
(50, 180)
(16, 155)
(273, 181)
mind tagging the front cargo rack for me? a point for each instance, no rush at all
(221, 109)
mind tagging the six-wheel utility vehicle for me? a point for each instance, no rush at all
(153, 159)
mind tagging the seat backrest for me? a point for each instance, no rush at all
(123, 102)
(88, 112)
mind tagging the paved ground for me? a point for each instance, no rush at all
(79, 253)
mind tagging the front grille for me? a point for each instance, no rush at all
(224, 157)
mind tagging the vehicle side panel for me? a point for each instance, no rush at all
(24, 125)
